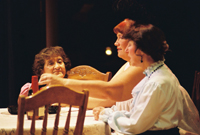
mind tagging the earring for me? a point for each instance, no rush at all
(141, 59)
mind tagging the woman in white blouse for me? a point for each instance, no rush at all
(158, 106)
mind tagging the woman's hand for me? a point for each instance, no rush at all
(96, 112)
(50, 79)
(25, 89)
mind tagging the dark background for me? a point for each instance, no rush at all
(84, 33)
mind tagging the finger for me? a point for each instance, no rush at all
(42, 82)
(43, 76)
(25, 92)
(94, 111)
(96, 118)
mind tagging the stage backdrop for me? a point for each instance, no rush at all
(84, 30)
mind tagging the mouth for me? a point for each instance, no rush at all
(57, 72)
(119, 49)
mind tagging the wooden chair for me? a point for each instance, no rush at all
(48, 96)
(85, 72)
(196, 90)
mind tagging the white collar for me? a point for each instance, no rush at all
(152, 68)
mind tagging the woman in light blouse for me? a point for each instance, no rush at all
(157, 101)
(158, 106)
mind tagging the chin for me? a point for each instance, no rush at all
(120, 56)
(60, 75)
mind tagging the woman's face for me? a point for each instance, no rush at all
(121, 45)
(55, 65)
(135, 57)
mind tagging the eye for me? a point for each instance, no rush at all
(60, 61)
(50, 62)
(119, 36)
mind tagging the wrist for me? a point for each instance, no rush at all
(65, 82)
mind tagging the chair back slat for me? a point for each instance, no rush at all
(32, 131)
(85, 72)
(55, 130)
(46, 97)
(81, 117)
(44, 127)
(66, 129)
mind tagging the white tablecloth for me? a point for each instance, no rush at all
(8, 123)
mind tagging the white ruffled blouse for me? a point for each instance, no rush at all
(157, 104)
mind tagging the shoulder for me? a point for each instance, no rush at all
(125, 66)
(163, 80)
(134, 69)
(163, 75)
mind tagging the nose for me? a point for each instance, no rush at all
(116, 43)
(57, 66)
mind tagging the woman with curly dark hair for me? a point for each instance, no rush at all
(49, 60)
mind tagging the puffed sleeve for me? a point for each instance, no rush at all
(125, 105)
(191, 120)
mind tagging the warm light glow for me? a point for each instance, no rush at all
(108, 51)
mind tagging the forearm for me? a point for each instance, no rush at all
(95, 102)
(96, 88)
(117, 89)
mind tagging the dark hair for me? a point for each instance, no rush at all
(149, 39)
(46, 54)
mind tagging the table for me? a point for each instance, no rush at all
(8, 123)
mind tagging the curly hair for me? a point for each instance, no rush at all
(148, 38)
(46, 54)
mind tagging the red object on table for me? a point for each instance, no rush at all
(34, 86)
(39, 113)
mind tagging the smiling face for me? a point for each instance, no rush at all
(55, 65)
(121, 45)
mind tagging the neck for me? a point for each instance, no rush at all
(147, 61)
(126, 59)
(153, 68)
